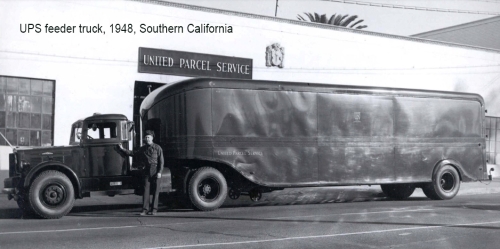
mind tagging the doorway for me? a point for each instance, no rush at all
(141, 90)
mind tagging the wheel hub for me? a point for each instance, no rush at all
(53, 195)
(447, 182)
(207, 189)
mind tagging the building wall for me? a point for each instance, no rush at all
(482, 33)
(97, 72)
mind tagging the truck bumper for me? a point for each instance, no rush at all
(10, 187)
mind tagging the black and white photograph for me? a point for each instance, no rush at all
(250, 124)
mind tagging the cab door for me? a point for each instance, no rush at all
(102, 155)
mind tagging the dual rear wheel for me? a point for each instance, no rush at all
(398, 191)
(444, 186)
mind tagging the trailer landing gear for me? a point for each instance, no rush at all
(234, 194)
(255, 195)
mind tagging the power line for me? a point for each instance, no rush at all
(382, 5)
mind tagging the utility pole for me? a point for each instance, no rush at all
(276, 11)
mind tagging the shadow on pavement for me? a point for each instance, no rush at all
(127, 206)
(176, 204)
(11, 213)
(95, 208)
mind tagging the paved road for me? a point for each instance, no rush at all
(299, 218)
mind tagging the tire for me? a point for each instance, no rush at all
(51, 195)
(207, 189)
(445, 184)
(398, 191)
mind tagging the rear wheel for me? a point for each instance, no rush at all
(398, 191)
(207, 189)
(51, 195)
(445, 184)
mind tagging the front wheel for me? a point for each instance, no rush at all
(207, 189)
(398, 191)
(51, 195)
(445, 184)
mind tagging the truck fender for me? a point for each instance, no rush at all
(56, 166)
(166, 180)
(463, 175)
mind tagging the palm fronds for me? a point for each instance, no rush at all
(335, 19)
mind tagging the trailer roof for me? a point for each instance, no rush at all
(201, 83)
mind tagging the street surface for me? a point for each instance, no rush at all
(359, 217)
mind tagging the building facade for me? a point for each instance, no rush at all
(482, 34)
(62, 61)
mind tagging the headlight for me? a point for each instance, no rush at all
(23, 165)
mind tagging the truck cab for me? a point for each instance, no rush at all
(97, 136)
(45, 181)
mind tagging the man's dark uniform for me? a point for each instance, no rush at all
(151, 157)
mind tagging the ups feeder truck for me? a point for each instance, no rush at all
(225, 137)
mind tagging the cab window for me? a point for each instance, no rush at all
(99, 130)
(76, 133)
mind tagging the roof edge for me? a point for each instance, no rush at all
(455, 27)
(269, 85)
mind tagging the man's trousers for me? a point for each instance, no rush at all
(151, 187)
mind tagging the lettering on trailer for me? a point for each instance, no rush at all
(160, 61)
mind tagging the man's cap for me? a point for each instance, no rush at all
(149, 132)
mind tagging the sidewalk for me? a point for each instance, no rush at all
(288, 196)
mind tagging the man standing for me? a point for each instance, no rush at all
(150, 156)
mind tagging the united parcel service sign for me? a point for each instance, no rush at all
(160, 61)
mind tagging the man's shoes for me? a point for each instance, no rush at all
(152, 212)
(143, 213)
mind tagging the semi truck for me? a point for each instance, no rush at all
(229, 137)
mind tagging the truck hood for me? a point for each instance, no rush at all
(35, 156)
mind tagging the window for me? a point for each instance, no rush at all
(27, 111)
(98, 130)
(124, 130)
(77, 133)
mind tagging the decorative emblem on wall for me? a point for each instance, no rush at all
(357, 117)
(275, 55)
